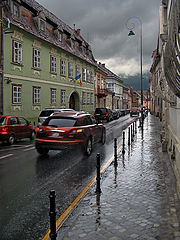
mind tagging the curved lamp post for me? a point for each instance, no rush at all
(130, 26)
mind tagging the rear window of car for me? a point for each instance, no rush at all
(134, 108)
(101, 110)
(60, 122)
(3, 120)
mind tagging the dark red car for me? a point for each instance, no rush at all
(68, 130)
(15, 127)
(134, 112)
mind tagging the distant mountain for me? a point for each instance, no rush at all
(135, 81)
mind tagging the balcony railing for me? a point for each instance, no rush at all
(101, 92)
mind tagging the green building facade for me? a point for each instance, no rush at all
(42, 59)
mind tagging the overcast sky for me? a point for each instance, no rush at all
(103, 25)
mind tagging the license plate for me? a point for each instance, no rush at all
(55, 134)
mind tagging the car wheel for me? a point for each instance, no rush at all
(88, 147)
(42, 151)
(32, 137)
(11, 139)
(103, 137)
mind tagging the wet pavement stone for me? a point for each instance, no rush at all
(138, 200)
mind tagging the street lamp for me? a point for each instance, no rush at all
(130, 26)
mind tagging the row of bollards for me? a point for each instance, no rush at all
(131, 133)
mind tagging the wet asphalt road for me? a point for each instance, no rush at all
(26, 178)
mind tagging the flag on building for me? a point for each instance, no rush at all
(78, 78)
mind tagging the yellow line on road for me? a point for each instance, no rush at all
(77, 201)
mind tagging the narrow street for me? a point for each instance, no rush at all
(26, 179)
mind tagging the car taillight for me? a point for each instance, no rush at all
(106, 113)
(94, 114)
(77, 131)
(137, 110)
(130, 110)
(4, 129)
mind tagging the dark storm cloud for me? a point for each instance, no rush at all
(103, 25)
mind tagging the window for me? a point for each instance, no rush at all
(63, 96)
(77, 69)
(92, 98)
(13, 121)
(53, 96)
(36, 95)
(60, 37)
(88, 98)
(16, 94)
(84, 98)
(16, 10)
(93, 120)
(63, 67)
(70, 69)
(83, 74)
(88, 76)
(42, 25)
(87, 121)
(36, 58)
(53, 64)
(17, 52)
(23, 121)
(91, 77)
(98, 81)
(102, 83)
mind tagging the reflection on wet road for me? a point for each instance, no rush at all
(26, 178)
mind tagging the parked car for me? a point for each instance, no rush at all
(115, 114)
(48, 111)
(123, 112)
(134, 111)
(69, 130)
(103, 114)
(15, 127)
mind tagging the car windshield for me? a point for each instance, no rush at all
(3, 120)
(101, 110)
(60, 122)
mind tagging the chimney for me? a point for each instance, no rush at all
(103, 64)
(99, 63)
(78, 31)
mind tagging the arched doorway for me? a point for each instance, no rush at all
(74, 101)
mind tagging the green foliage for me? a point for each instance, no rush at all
(135, 81)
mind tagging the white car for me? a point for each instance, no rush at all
(50, 111)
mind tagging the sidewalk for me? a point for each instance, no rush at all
(138, 199)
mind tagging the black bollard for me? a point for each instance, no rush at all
(98, 178)
(123, 149)
(115, 151)
(52, 215)
(129, 136)
(135, 126)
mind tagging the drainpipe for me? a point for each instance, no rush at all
(2, 58)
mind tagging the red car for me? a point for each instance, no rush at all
(134, 111)
(15, 127)
(68, 130)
